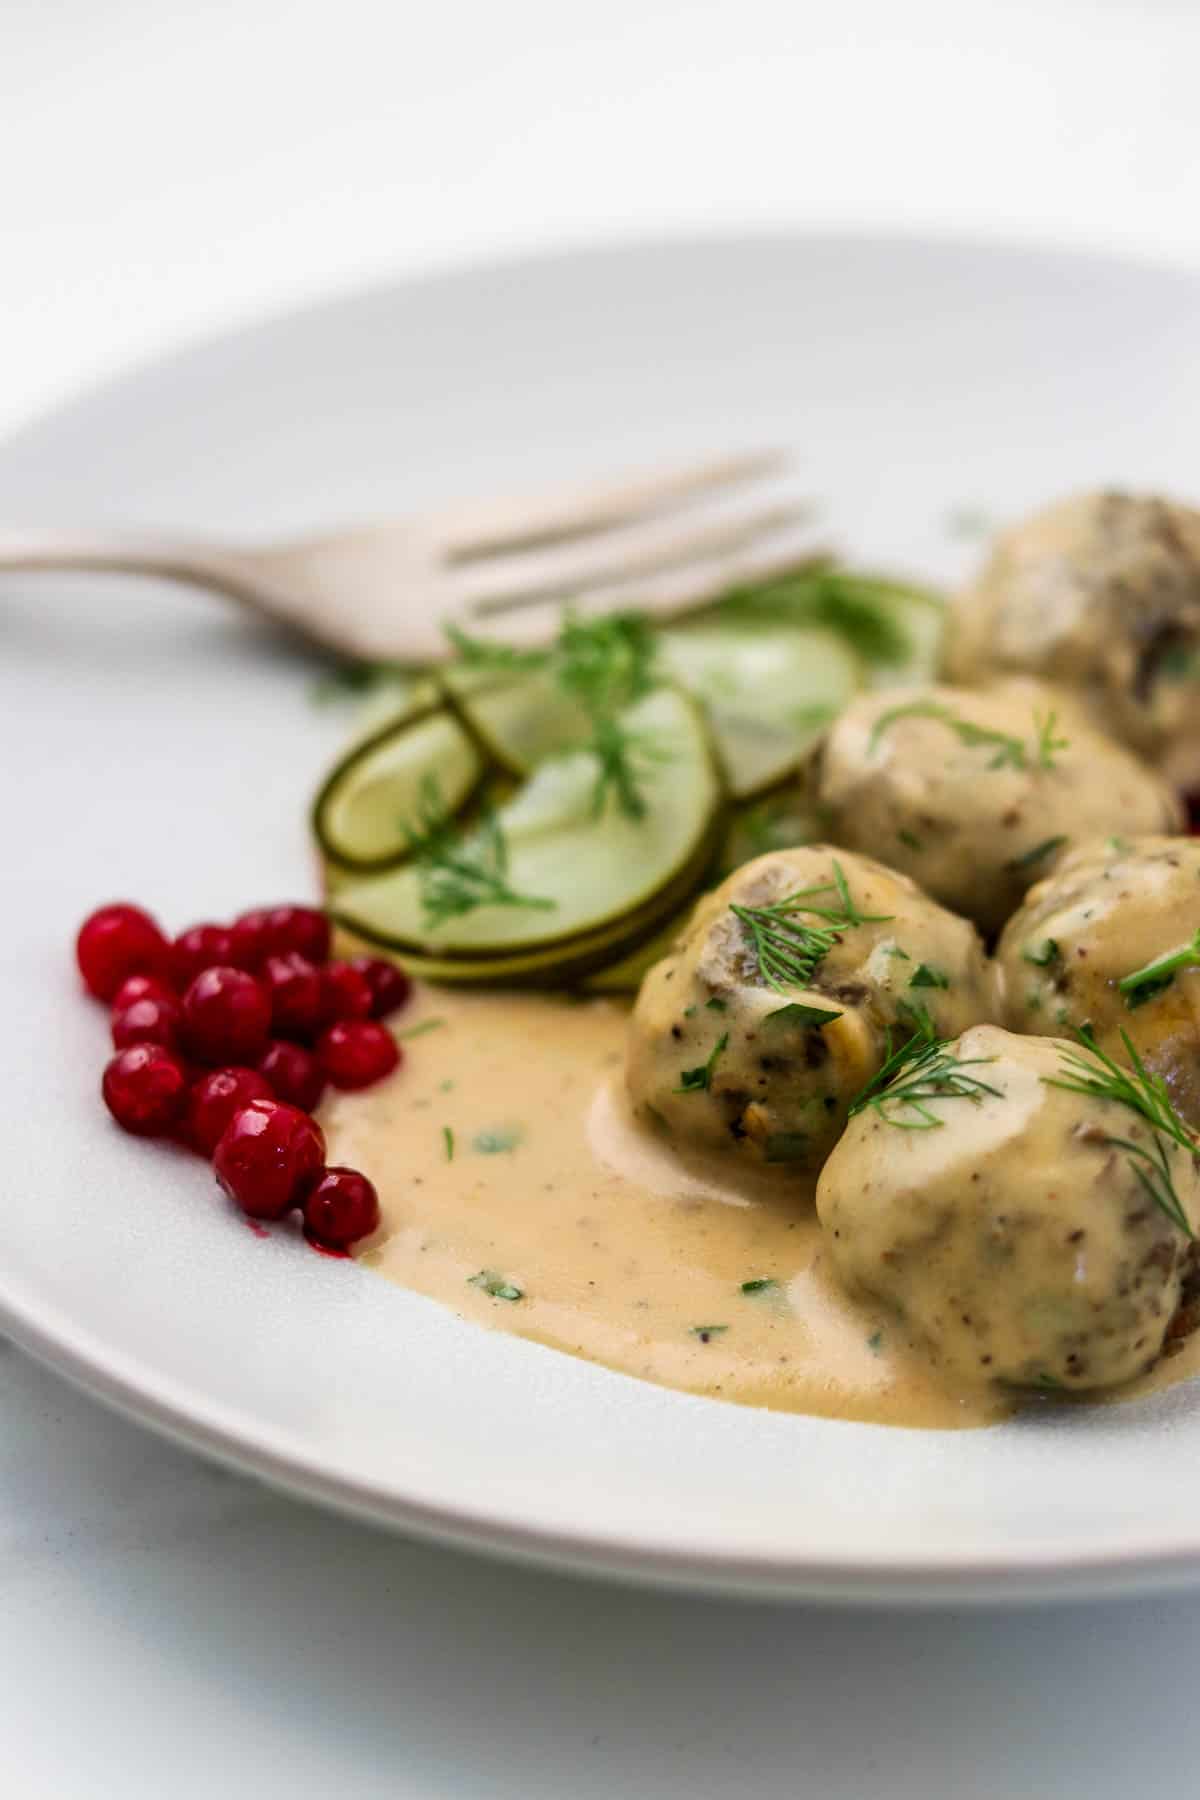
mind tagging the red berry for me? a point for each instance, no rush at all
(249, 939)
(297, 994)
(200, 947)
(214, 1100)
(274, 930)
(304, 929)
(356, 1052)
(226, 1016)
(145, 1089)
(268, 1158)
(142, 987)
(117, 941)
(347, 993)
(390, 986)
(147, 1021)
(341, 1208)
(294, 1074)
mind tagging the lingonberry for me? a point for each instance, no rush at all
(226, 1016)
(145, 1089)
(268, 1158)
(294, 1074)
(200, 947)
(340, 1209)
(214, 1100)
(297, 994)
(142, 987)
(117, 941)
(147, 1021)
(356, 1052)
(347, 993)
(389, 984)
(304, 929)
(274, 930)
(248, 935)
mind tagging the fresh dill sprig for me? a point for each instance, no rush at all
(931, 1073)
(1090, 1070)
(786, 948)
(1047, 744)
(351, 679)
(1009, 750)
(483, 653)
(419, 1030)
(1153, 977)
(622, 758)
(859, 607)
(459, 874)
(606, 664)
(920, 1038)
(920, 1070)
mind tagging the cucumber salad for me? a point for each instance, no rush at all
(548, 818)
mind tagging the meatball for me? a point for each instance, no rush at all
(1112, 909)
(783, 997)
(1100, 594)
(978, 793)
(1018, 1239)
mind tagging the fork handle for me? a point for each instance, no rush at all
(121, 553)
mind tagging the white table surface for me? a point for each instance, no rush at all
(165, 170)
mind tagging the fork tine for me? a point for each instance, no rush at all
(506, 583)
(675, 591)
(680, 590)
(489, 528)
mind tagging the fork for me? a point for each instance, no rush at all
(664, 542)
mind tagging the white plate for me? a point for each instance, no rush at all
(161, 748)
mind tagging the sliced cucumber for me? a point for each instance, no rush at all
(771, 688)
(624, 976)
(920, 619)
(371, 801)
(520, 721)
(599, 873)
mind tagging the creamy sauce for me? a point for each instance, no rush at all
(621, 1255)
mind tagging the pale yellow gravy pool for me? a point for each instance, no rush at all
(501, 1149)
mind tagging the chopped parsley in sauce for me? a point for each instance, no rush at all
(494, 1142)
(496, 1285)
(699, 1080)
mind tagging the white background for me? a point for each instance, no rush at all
(167, 170)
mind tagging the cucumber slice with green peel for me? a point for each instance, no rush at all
(364, 813)
(625, 975)
(589, 871)
(770, 688)
(920, 618)
(390, 700)
(520, 721)
(563, 965)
